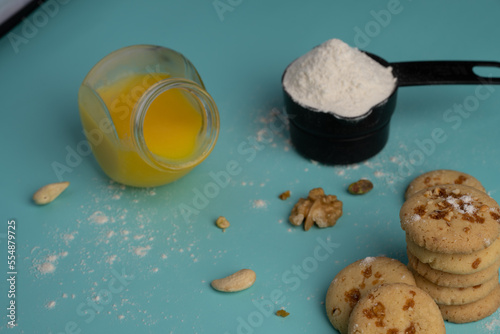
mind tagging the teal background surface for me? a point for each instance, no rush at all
(128, 260)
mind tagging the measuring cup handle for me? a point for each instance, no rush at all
(442, 73)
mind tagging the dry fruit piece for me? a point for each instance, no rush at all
(284, 195)
(222, 223)
(49, 192)
(324, 210)
(282, 313)
(240, 280)
(360, 187)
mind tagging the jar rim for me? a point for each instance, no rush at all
(209, 129)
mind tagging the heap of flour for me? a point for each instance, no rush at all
(335, 78)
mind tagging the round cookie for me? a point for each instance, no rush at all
(456, 263)
(451, 219)
(471, 312)
(439, 177)
(352, 282)
(442, 278)
(456, 296)
(396, 308)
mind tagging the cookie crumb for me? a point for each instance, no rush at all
(222, 223)
(282, 313)
(284, 195)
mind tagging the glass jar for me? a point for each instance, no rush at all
(147, 115)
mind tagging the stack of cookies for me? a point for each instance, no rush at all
(379, 295)
(452, 235)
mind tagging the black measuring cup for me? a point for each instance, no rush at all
(336, 140)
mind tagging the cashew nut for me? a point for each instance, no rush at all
(49, 192)
(240, 280)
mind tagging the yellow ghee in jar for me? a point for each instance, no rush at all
(171, 129)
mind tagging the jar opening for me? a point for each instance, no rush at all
(175, 124)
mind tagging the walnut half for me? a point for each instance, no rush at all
(324, 210)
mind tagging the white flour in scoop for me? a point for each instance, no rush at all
(335, 78)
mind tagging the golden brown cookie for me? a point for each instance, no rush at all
(443, 278)
(474, 311)
(451, 219)
(352, 282)
(439, 177)
(456, 296)
(456, 263)
(396, 308)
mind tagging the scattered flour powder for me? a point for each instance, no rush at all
(50, 305)
(335, 78)
(46, 268)
(259, 204)
(367, 261)
(98, 217)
